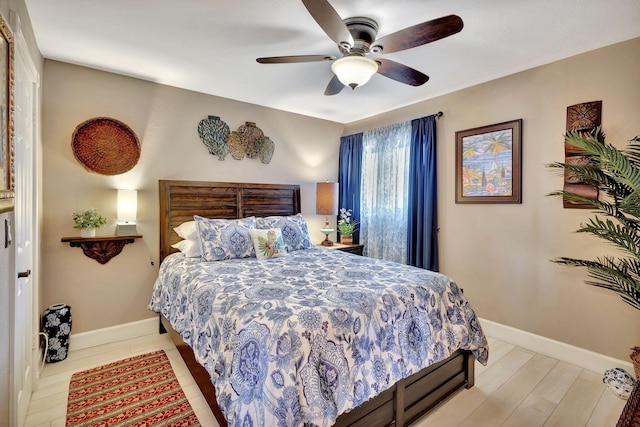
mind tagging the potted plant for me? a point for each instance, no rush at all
(616, 174)
(88, 221)
(346, 226)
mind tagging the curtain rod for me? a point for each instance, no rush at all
(439, 114)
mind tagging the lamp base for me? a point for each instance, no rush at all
(127, 229)
(327, 241)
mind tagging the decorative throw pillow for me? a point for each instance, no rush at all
(268, 243)
(187, 230)
(225, 238)
(190, 248)
(294, 230)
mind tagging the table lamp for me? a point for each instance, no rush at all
(127, 212)
(327, 204)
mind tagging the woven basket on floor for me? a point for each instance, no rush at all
(105, 146)
(635, 358)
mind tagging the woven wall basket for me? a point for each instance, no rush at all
(105, 146)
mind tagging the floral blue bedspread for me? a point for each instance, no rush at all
(300, 339)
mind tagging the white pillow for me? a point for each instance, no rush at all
(268, 243)
(190, 248)
(187, 230)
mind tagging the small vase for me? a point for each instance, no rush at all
(346, 240)
(87, 232)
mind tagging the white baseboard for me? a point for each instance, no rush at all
(581, 357)
(113, 334)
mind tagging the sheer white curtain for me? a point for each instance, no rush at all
(384, 192)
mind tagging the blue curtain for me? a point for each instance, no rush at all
(349, 176)
(422, 246)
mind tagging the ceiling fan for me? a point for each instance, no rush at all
(356, 37)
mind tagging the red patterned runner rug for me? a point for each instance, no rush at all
(138, 391)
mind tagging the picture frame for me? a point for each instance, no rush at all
(7, 169)
(489, 163)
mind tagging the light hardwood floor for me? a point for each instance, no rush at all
(517, 388)
(48, 405)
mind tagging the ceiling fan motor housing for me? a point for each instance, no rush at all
(364, 32)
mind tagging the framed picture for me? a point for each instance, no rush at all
(489, 164)
(6, 111)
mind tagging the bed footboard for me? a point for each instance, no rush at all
(414, 396)
(401, 405)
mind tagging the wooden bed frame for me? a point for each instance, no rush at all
(401, 405)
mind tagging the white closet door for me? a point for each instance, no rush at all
(24, 327)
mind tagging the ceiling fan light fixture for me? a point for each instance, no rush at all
(354, 71)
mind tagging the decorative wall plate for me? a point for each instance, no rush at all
(265, 148)
(250, 133)
(248, 141)
(237, 145)
(106, 146)
(214, 131)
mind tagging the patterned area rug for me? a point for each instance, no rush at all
(138, 391)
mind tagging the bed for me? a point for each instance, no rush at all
(315, 337)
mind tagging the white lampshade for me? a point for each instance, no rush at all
(127, 205)
(355, 70)
(127, 212)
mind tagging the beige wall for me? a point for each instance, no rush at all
(165, 119)
(500, 254)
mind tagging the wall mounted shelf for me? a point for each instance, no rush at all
(100, 248)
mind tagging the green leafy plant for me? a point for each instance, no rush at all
(616, 174)
(346, 224)
(89, 219)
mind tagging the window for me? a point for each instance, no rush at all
(388, 178)
(384, 192)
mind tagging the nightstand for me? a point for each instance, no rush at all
(353, 249)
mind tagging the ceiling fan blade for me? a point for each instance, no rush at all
(420, 34)
(401, 73)
(294, 59)
(334, 87)
(329, 20)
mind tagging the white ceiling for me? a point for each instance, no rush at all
(210, 46)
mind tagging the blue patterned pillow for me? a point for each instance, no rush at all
(225, 238)
(294, 230)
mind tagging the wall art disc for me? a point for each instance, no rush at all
(265, 148)
(106, 146)
(237, 145)
(250, 133)
(214, 131)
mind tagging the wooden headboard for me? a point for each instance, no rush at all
(180, 200)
